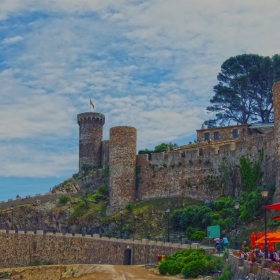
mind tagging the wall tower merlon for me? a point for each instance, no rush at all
(90, 117)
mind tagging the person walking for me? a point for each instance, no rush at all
(225, 240)
(217, 241)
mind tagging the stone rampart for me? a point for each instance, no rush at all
(186, 172)
(35, 199)
(20, 249)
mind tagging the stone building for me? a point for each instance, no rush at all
(188, 171)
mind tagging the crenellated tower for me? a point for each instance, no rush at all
(90, 138)
(122, 161)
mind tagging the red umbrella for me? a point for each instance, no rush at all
(253, 240)
(276, 218)
(271, 247)
(275, 206)
(259, 235)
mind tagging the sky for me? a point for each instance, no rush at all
(147, 64)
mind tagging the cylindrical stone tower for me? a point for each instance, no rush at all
(276, 107)
(122, 162)
(90, 138)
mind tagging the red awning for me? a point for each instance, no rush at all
(275, 206)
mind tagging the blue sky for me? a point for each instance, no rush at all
(147, 64)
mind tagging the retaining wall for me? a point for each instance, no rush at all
(20, 249)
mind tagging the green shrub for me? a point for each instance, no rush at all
(193, 269)
(169, 266)
(34, 263)
(198, 235)
(64, 199)
(129, 207)
(103, 189)
(191, 230)
(47, 262)
(226, 273)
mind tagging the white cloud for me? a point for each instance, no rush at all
(12, 40)
(150, 64)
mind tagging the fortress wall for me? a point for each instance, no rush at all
(182, 173)
(19, 249)
(36, 199)
(105, 152)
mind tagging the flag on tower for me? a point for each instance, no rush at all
(91, 104)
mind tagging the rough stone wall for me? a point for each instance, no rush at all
(225, 133)
(276, 103)
(36, 199)
(93, 181)
(105, 152)
(19, 249)
(242, 269)
(122, 163)
(183, 173)
(90, 138)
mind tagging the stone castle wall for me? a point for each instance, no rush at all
(122, 172)
(90, 138)
(35, 199)
(20, 249)
(183, 173)
(186, 171)
(105, 152)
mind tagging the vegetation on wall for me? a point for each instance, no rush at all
(250, 171)
(163, 147)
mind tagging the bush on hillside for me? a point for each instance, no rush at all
(169, 266)
(64, 199)
(191, 230)
(193, 269)
(198, 235)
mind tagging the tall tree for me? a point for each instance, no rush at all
(244, 91)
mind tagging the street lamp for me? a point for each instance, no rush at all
(167, 211)
(265, 195)
(121, 211)
(12, 208)
(236, 206)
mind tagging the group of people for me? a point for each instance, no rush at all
(258, 254)
(221, 243)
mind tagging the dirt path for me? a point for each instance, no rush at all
(83, 272)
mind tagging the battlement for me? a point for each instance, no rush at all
(38, 198)
(91, 118)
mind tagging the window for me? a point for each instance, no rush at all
(216, 135)
(235, 133)
(207, 136)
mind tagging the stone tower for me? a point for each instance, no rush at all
(90, 138)
(276, 105)
(122, 162)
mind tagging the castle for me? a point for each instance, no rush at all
(187, 171)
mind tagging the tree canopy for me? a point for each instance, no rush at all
(244, 92)
(163, 147)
